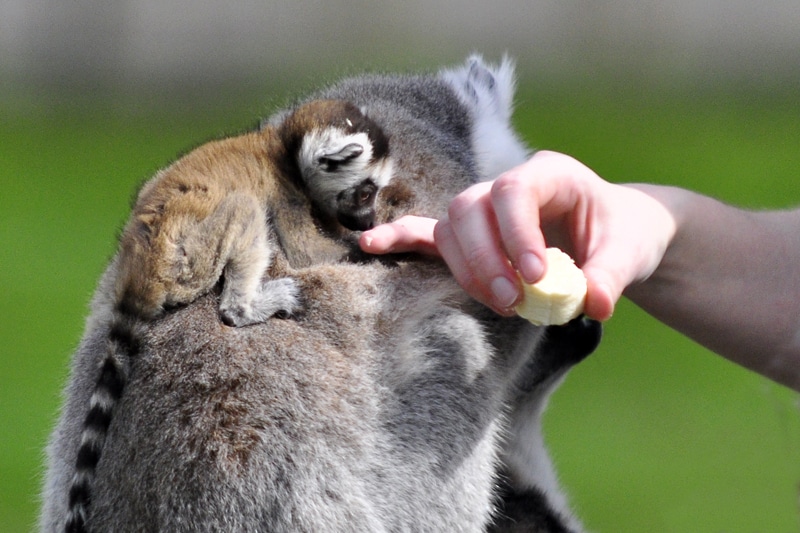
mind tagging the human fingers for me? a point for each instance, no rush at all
(602, 293)
(406, 234)
(426, 235)
(471, 230)
(516, 197)
(451, 251)
(594, 221)
(550, 194)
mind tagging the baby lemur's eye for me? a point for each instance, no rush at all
(365, 194)
(364, 197)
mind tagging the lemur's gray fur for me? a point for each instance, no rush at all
(389, 401)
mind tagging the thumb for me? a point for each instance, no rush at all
(602, 293)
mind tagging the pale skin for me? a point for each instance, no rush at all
(726, 277)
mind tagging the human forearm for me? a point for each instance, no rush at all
(730, 279)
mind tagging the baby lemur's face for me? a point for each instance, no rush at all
(355, 206)
(343, 159)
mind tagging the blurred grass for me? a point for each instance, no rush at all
(652, 433)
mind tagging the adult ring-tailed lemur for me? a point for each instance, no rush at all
(246, 368)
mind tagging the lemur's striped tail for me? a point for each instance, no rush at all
(122, 344)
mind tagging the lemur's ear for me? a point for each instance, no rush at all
(346, 153)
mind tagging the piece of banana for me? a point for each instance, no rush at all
(559, 296)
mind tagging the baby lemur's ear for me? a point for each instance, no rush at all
(335, 157)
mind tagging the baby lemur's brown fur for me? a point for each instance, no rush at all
(206, 214)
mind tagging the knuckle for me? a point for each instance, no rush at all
(460, 206)
(479, 257)
(442, 230)
(541, 154)
(509, 182)
(468, 201)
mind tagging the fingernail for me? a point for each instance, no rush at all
(504, 292)
(530, 267)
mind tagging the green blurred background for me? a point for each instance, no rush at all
(651, 433)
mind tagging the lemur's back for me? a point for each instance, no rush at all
(325, 422)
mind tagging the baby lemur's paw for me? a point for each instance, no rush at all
(274, 298)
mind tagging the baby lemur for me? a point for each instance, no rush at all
(387, 401)
(342, 157)
(218, 198)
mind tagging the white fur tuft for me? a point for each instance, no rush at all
(488, 93)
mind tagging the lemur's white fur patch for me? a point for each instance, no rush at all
(488, 93)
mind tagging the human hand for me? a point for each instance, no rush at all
(617, 234)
